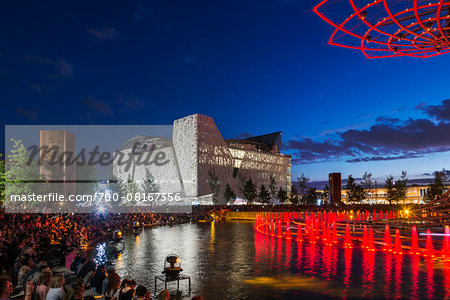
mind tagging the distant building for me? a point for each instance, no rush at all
(334, 184)
(57, 143)
(414, 195)
(197, 150)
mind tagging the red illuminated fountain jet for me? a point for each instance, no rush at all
(389, 28)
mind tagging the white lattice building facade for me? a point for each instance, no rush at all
(197, 149)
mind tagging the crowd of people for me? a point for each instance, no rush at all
(29, 244)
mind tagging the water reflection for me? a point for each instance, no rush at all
(231, 261)
(368, 267)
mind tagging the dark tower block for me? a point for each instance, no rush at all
(57, 152)
(335, 187)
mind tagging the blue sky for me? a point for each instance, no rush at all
(254, 66)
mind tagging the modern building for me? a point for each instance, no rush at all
(199, 163)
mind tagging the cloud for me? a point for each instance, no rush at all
(189, 59)
(243, 135)
(388, 139)
(130, 102)
(438, 112)
(105, 33)
(141, 12)
(56, 68)
(40, 88)
(28, 114)
(97, 105)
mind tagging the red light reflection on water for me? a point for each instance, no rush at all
(429, 280)
(299, 254)
(447, 279)
(388, 275)
(368, 267)
(287, 260)
(347, 270)
(415, 260)
(398, 275)
(310, 258)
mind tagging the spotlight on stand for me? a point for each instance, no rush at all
(117, 236)
(137, 227)
(172, 266)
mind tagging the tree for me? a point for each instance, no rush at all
(131, 190)
(20, 173)
(293, 195)
(214, 185)
(390, 191)
(273, 187)
(367, 182)
(229, 195)
(396, 190)
(310, 197)
(86, 177)
(264, 195)
(249, 191)
(436, 189)
(355, 192)
(303, 184)
(401, 187)
(282, 195)
(2, 181)
(325, 194)
(149, 186)
(118, 191)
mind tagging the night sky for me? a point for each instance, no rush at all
(255, 66)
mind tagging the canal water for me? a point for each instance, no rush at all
(229, 260)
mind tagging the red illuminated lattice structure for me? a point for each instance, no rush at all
(389, 28)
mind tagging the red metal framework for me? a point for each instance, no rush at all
(390, 28)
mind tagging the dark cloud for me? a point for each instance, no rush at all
(244, 135)
(28, 114)
(97, 105)
(103, 34)
(59, 68)
(40, 88)
(438, 112)
(388, 139)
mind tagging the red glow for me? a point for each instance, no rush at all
(387, 239)
(280, 230)
(446, 242)
(288, 231)
(348, 238)
(334, 235)
(368, 267)
(371, 246)
(299, 233)
(312, 235)
(398, 243)
(364, 239)
(414, 242)
(429, 249)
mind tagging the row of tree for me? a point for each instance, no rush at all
(396, 190)
(304, 194)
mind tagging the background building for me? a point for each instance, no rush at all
(334, 183)
(198, 155)
(58, 142)
(414, 195)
